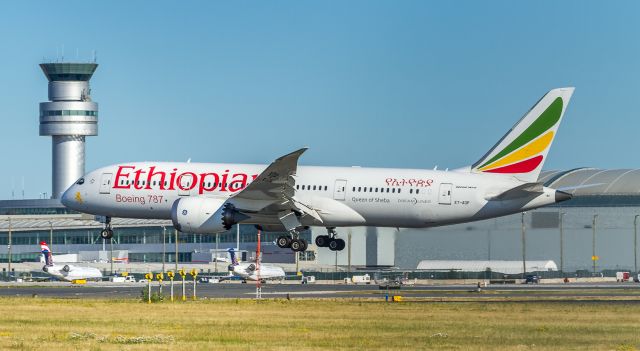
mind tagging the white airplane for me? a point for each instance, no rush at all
(282, 196)
(66, 272)
(249, 271)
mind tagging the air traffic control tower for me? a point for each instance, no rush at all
(68, 118)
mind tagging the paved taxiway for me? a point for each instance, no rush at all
(588, 291)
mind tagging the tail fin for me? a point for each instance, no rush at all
(232, 257)
(522, 151)
(46, 253)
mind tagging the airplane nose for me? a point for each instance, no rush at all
(66, 197)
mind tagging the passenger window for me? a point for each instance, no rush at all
(297, 187)
(325, 188)
(370, 189)
(314, 187)
(365, 189)
(393, 190)
(417, 191)
(354, 189)
(387, 189)
(303, 187)
(399, 190)
(410, 191)
(359, 189)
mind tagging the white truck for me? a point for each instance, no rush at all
(361, 279)
(622, 276)
(127, 279)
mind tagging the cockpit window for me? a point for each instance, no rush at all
(80, 181)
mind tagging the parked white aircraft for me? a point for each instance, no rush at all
(249, 270)
(66, 272)
(282, 196)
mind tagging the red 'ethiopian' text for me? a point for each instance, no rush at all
(128, 177)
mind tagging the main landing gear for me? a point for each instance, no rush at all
(107, 232)
(330, 240)
(293, 242)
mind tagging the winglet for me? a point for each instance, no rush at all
(522, 151)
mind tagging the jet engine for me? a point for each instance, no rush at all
(204, 215)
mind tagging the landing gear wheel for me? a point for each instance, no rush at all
(336, 244)
(305, 245)
(283, 242)
(297, 245)
(106, 234)
(322, 240)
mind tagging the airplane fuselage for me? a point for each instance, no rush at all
(344, 196)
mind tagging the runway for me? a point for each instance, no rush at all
(541, 292)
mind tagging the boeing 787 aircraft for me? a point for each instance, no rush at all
(282, 196)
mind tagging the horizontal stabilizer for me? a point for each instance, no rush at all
(521, 191)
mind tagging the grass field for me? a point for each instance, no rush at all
(63, 324)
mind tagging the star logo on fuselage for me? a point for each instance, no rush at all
(78, 197)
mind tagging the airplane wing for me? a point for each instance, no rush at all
(274, 189)
(276, 182)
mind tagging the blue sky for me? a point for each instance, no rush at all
(370, 83)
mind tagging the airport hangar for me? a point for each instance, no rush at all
(612, 196)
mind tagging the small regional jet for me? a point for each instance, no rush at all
(66, 272)
(210, 198)
(249, 271)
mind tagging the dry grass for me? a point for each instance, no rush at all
(56, 324)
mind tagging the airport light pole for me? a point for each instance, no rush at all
(562, 242)
(217, 243)
(635, 244)
(238, 238)
(594, 258)
(349, 241)
(50, 235)
(489, 245)
(176, 242)
(524, 247)
(111, 254)
(164, 247)
(9, 249)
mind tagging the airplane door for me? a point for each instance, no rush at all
(184, 184)
(444, 197)
(105, 183)
(340, 189)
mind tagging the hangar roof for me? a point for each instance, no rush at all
(594, 181)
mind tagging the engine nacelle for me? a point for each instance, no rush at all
(204, 215)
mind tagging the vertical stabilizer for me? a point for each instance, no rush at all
(46, 253)
(232, 257)
(522, 151)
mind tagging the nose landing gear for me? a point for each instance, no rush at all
(107, 232)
